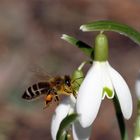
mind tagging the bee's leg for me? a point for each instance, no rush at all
(74, 93)
(48, 100)
(56, 98)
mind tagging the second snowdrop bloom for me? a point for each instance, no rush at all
(101, 81)
(65, 107)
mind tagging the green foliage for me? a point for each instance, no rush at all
(102, 26)
(88, 50)
(113, 26)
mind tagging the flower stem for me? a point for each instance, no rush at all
(83, 64)
(120, 119)
(137, 123)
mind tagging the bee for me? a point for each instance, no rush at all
(50, 89)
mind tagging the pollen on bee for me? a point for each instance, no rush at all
(48, 97)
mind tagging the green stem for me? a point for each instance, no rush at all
(138, 106)
(83, 64)
(120, 119)
(137, 123)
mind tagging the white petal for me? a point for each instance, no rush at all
(80, 133)
(137, 87)
(122, 91)
(89, 96)
(106, 80)
(60, 113)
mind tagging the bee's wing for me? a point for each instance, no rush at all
(39, 74)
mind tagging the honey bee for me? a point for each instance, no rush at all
(51, 89)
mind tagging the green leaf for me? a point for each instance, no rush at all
(113, 26)
(65, 124)
(88, 50)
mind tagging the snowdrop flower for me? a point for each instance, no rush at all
(67, 106)
(101, 80)
(64, 108)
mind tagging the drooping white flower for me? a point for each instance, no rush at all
(64, 108)
(67, 106)
(101, 80)
(101, 75)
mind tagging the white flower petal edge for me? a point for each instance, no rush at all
(80, 133)
(60, 113)
(90, 96)
(122, 91)
(137, 87)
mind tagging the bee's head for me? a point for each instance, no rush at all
(63, 85)
(67, 81)
(67, 85)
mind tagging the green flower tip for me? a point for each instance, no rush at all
(101, 48)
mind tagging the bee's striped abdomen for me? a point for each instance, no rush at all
(36, 90)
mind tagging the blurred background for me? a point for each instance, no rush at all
(30, 46)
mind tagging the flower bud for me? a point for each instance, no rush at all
(77, 78)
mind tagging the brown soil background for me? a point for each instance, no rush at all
(30, 46)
